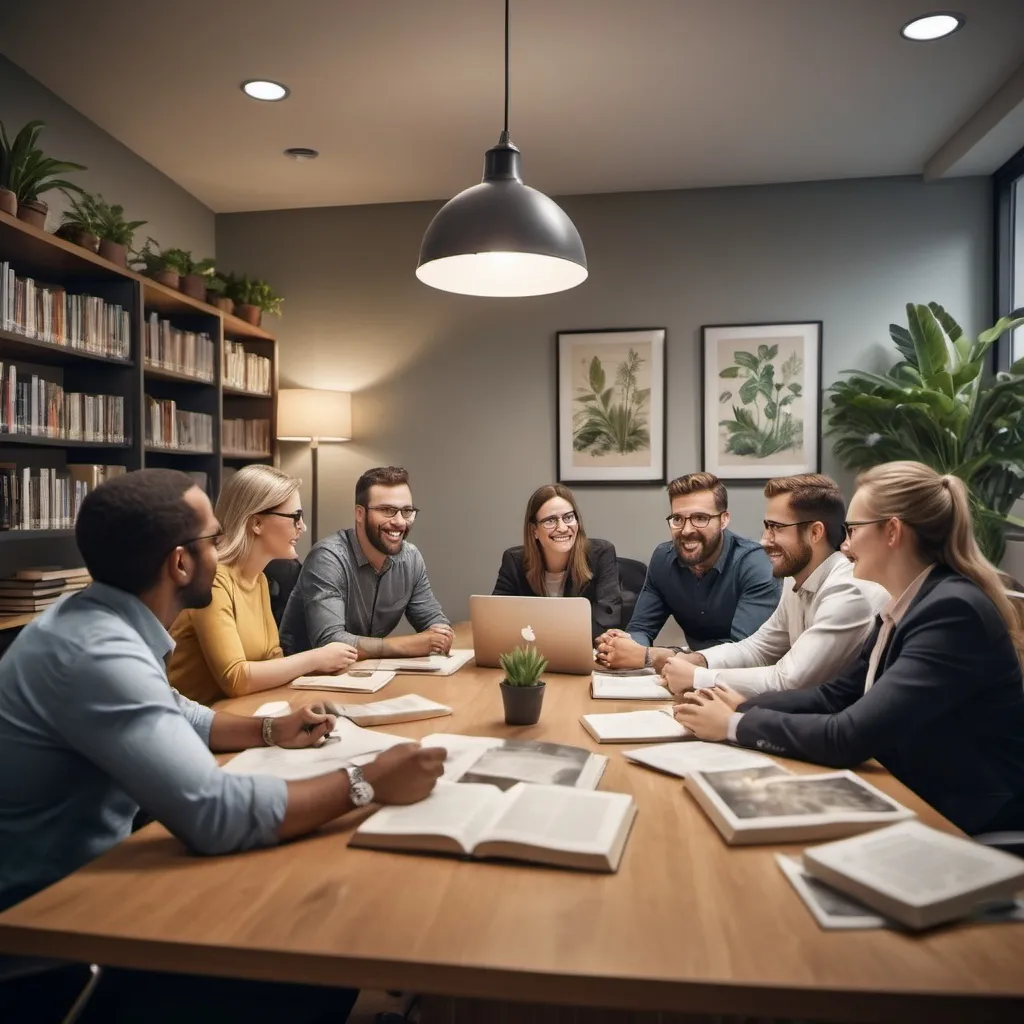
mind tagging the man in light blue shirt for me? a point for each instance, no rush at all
(91, 731)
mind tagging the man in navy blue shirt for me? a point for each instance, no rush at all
(718, 586)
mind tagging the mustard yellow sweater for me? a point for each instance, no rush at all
(213, 644)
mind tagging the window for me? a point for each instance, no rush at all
(1009, 197)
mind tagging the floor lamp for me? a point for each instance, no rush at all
(312, 415)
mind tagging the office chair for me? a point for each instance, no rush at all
(631, 581)
(282, 574)
(28, 967)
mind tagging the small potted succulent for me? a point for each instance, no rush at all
(252, 299)
(116, 233)
(27, 172)
(216, 286)
(522, 689)
(80, 223)
(152, 261)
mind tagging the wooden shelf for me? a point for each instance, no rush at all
(159, 373)
(42, 254)
(50, 353)
(9, 535)
(242, 393)
(238, 330)
(57, 442)
(246, 455)
(154, 449)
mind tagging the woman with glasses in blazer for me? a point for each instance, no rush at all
(557, 559)
(936, 695)
(231, 647)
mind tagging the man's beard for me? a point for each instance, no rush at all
(197, 593)
(708, 545)
(791, 562)
(373, 535)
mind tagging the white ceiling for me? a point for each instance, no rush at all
(402, 97)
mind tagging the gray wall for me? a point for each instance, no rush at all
(462, 390)
(175, 217)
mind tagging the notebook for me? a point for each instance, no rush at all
(635, 727)
(682, 758)
(436, 664)
(645, 687)
(346, 682)
(408, 708)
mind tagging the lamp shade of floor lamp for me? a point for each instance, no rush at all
(313, 415)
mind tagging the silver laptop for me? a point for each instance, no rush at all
(561, 626)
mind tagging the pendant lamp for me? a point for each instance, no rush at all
(501, 237)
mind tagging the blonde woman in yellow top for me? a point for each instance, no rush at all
(231, 647)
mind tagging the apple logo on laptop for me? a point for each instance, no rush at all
(527, 634)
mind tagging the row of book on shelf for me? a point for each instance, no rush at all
(171, 348)
(245, 370)
(246, 436)
(167, 426)
(50, 313)
(47, 498)
(539, 801)
(39, 407)
(30, 591)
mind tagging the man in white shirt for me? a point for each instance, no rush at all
(824, 616)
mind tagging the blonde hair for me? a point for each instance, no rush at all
(533, 558)
(938, 511)
(251, 490)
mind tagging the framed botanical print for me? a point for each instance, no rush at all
(611, 406)
(761, 399)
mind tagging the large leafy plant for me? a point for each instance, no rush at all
(762, 424)
(939, 406)
(26, 170)
(612, 418)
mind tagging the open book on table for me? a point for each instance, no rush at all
(347, 744)
(503, 763)
(556, 825)
(682, 758)
(638, 687)
(353, 681)
(635, 726)
(917, 875)
(409, 708)
(434, 664)
(770, 805)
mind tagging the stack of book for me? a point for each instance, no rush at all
(249, 436)
(167, 347)
(30, 591)
(167, 426)
(245, 370)
(47, 498)
(48, 313)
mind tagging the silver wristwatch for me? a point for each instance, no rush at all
(359, 789)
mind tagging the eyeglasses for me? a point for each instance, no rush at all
(699, 519)
(772, 527)
(848, 525)
(295, 517)
(550, 522)
(215, 537)
(390, 511)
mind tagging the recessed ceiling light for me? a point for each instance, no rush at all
(261, 89)
(932, 26)
(301, 153)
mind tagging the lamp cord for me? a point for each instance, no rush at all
(504, 134)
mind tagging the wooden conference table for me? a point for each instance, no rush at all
(687, 925)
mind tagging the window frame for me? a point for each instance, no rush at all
(1003, 181)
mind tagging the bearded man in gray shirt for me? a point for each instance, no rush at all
(356, 585)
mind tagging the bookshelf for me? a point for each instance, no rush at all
(135, 379)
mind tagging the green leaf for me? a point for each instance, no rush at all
(725, 396)
(788, 400)
(747, 359)
(797, 389)
(999, 328)
(749, 390)
(770, 410)
(762, 352)
(930, 346)
(730, 371)
(773, 351)
(597, 378)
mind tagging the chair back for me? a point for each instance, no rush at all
(282, 574)
(632, 574)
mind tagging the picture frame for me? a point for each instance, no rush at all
(761, 399)
(610, 406)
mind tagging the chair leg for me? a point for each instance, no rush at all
(95, 972)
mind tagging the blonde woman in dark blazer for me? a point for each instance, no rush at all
(937, 694)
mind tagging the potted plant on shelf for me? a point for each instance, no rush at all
(252, 299)
(116, 233)
(27, 172)
(81, 222)
(193, 274)
(216, 285)
(152, 261)
(522, 689)
(940, 406)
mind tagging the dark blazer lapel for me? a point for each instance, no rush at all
(936, 577)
